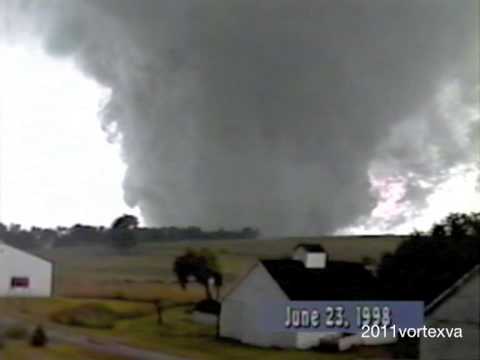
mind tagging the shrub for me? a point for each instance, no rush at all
(39, 338)
(208, 306)
(16, 332)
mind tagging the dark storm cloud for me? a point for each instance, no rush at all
(271, 113)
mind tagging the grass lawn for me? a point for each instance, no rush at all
(146, 273)
(178, 335)
(21, 350)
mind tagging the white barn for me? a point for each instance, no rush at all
(23, 274)
(308, 276)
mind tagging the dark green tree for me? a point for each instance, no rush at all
(201, 266)
(123, 232)
(426, 264)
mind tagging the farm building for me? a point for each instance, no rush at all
(308, 276)
(23, 274)
(457, 307)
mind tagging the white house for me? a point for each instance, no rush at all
(456, 307)
(308, 276)
(23, 274)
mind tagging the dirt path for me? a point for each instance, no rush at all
(96, 345)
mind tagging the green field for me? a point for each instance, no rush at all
(126, 283)
(146, 272)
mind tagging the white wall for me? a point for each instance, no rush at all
(239, 318)
(316, 260)
(240, 314)
(16, 263)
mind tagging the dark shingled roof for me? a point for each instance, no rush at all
(339, 280)
(311, 247)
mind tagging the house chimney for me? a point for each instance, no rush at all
(311, 255)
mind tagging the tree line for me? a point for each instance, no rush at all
(123, 233)
(421, 268)
(426, 264)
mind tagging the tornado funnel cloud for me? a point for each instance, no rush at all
(271, 113)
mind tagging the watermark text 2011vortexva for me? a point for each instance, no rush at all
(376, 331)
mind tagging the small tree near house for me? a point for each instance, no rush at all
(159, 307)
(203, 267)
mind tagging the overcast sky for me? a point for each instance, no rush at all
(299, 117)
(56, 167)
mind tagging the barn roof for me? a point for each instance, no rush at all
(455, 289)
(339, 280)
(311, 247)
(4, 244)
